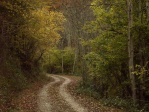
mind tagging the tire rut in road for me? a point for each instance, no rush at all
(54, 97)
(58, 104)
(63, 92)
(44, 103)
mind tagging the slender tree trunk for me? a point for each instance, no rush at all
(140, 11)
(131, 50)
(140, 53)
(62, 56)
(84, 68)
(62, 63)
(74, 63)
(77, 50)
(147, 10)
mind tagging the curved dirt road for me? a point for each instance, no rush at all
(44, 103)
(54, 97)
(59, 95)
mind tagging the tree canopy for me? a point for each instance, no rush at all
(104, 41)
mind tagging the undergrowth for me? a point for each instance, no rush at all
(125, 104)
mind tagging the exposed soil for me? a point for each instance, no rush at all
(58, 95)
(27, 100)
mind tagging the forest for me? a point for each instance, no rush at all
(105, 42)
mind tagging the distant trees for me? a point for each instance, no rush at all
(110, 38)
(77, 13)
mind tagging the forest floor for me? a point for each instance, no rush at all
(57, 95)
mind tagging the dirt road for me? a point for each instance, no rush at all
(54, 97)
(57, 94)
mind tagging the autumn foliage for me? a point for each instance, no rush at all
(28, 29)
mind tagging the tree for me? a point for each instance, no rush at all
(131, 49)
(147, 10)
(29, 29)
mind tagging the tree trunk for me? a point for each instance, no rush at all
(140, 52)
(140, 11)
(62, 64)
(131, 50)
(74, 63)
(84, 68)
(62, 56)
(147, 10)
